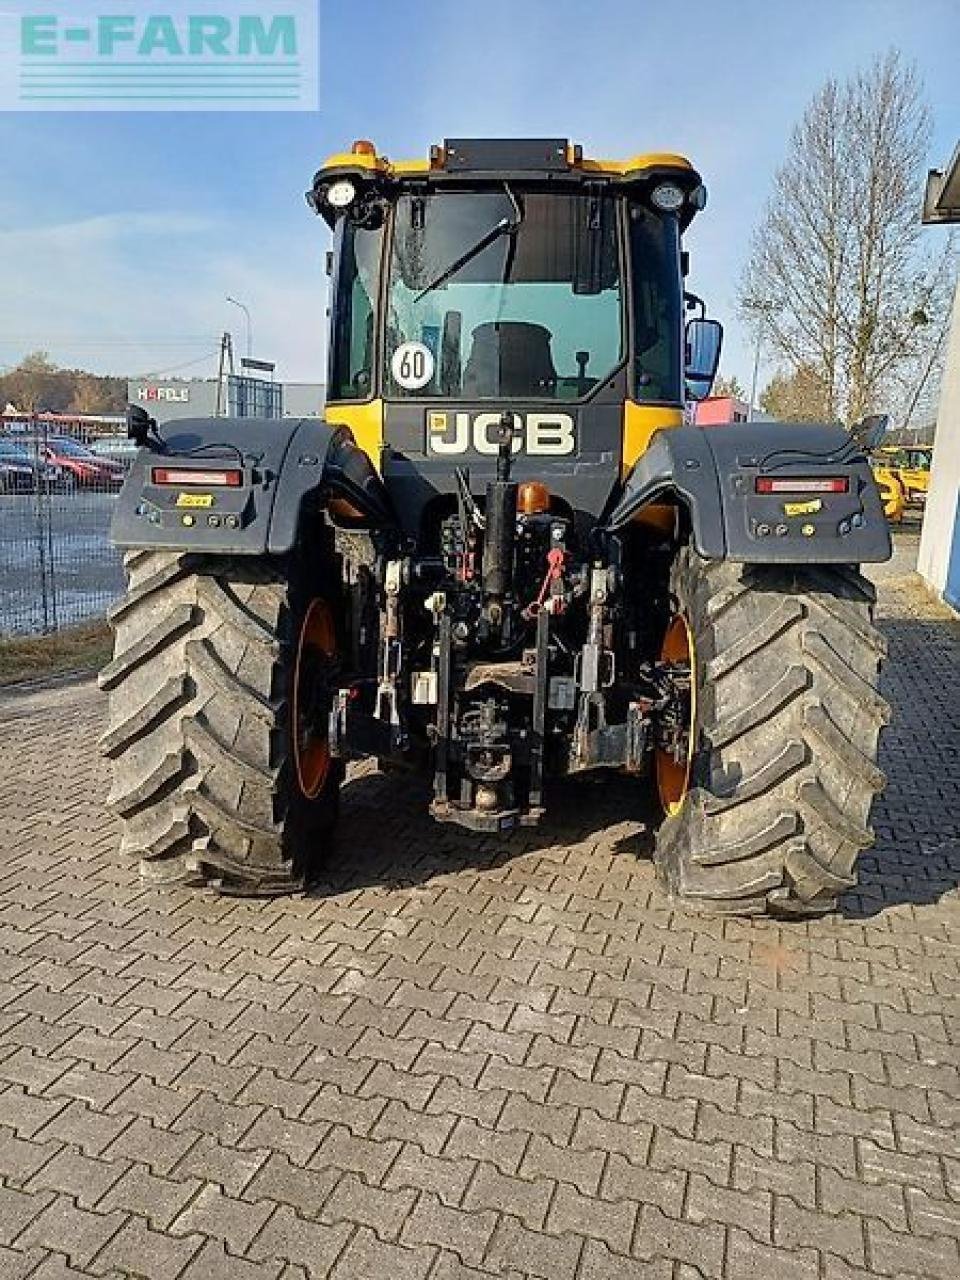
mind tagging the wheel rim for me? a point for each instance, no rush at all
(673, 775)
(312, 697)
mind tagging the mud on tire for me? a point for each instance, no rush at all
(198, 724)
(788, 717)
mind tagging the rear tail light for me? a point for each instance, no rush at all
(802, 484)
(184, 476)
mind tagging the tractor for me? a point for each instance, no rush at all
(503, 557)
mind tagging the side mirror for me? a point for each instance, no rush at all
(702, 343)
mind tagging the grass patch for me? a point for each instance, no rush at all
(82, 648)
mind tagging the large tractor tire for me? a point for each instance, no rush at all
(769, 809)
(220, 675)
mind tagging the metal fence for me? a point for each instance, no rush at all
(58, 486)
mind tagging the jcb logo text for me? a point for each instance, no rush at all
(537, 434)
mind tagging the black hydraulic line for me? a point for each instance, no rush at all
(443, 709)
(539, 710)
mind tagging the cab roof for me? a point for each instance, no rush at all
(478, 160)
(496, 155)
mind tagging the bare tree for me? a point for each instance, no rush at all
(798, 396)
(728, 387)
(38, 384)
(838, 246)
(35, 384)
(93, 393)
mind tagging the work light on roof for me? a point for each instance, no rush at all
(667, 197)
(698, 197)
(341, 194)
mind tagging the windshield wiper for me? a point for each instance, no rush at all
(506, 226)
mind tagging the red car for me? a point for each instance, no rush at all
(80, 466)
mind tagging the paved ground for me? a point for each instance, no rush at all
(468, 1060)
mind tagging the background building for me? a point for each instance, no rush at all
(170, 399)
(939, 558)
(716, 410)
(303, 399)
(175, 398)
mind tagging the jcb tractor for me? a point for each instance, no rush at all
(501, 557)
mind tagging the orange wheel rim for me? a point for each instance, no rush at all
(316, 653)
(673, 775)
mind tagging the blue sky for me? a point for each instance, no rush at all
(120, 234)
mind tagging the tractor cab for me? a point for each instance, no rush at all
(518, 276)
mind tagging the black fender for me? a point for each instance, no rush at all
(714, 473)
(284, 464)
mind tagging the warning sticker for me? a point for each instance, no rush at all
(808, 508)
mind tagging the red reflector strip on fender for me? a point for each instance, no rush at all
(184, 476)
(802, 484)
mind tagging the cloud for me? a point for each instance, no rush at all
(130, 292)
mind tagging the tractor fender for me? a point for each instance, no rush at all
(718, 475)
(283, 464)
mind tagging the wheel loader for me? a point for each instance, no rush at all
(911, 466)
(503, 556)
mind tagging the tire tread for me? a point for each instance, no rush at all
(789, 714)
(197, 731)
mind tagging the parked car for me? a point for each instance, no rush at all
(118, 448)
(81, 467)
(20, 471)
(17, 472)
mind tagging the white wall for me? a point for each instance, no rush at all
(941, 512)
(303, 399)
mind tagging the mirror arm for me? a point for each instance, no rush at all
(870, 431)
(143, 430)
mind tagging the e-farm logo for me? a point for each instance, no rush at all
(175, 55)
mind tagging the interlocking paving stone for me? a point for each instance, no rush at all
(460, 1058)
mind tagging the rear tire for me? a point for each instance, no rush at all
(787, 721)
(204, 777)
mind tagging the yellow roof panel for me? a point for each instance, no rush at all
(615, 168)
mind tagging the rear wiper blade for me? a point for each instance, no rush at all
(506, 226)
